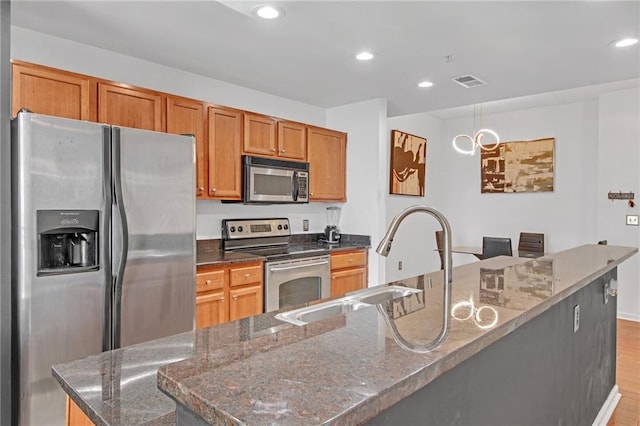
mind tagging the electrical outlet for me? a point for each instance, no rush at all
(400, 265)
(576, 318)
(305, 224)
(632, 219)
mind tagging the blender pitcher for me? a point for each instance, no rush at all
(331, 232)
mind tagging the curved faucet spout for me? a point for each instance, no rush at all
(385, 246)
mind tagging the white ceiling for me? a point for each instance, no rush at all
(519, 48)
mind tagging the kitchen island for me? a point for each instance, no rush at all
(349, 369)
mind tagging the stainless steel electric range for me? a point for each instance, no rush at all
(293, 273)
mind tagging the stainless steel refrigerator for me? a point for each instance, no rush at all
(104, 247)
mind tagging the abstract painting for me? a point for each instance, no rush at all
(524, 166)
(408, 164)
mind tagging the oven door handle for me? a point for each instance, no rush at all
(298, 266)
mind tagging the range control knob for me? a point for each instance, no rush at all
(286, 226)
(279, 227)
(232, 229)
(239, 228)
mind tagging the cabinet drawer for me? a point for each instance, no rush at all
(206, 281)
(246, 275)
(348, 260)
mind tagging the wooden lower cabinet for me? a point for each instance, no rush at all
(75, 416)
(348, 272)
(228, 293)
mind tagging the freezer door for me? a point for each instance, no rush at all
(154, 235)
(57, 165)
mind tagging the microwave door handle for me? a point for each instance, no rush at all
(295, 187)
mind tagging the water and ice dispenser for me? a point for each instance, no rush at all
(67, 241)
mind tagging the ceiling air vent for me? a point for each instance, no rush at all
(469, 81)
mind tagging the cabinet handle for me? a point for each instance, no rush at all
(201, 188)
(213, 189)
(333, 277)
(282, 150)
(235, 297)
(207, 282)
(350, 260)
(273, 150)
(222, 300)
(246, 276)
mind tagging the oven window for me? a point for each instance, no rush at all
(300, 290)
(264, 184)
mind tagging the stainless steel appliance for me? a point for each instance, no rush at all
(270, 181)
(104, 245)
(293, 273)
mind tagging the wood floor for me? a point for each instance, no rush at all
(628, 375)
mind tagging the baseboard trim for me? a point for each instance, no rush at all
(607, 409)
(628, 316)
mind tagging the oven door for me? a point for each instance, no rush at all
(293, 282)
(268, 185)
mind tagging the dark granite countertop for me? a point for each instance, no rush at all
(345, 369)
(210, 253)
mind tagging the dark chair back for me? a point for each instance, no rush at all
(440, 245)
(496, 246)
(530, 241)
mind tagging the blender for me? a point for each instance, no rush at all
(331, 232)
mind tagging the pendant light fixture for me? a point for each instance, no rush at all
(475, 142)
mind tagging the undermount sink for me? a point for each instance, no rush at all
(352, 302)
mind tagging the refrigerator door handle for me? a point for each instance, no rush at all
(105, 240)
(119, 270)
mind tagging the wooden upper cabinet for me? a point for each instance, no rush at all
(187, 116)
(327, 156)
(130, 107)
(224, 145)
(54, 92)
(292, 140)
(259, 134)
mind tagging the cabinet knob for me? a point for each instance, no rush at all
(207, 282)
(235, 297)
(333, 277)
(282, 150)
(273, 150)
(350, 260)
(222, 300)
(201, 188)
(213, 189)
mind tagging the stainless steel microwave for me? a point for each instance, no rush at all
(270, 181)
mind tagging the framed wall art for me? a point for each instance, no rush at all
(524, 166)
(408, 164)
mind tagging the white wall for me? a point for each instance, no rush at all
(365, 123)
(618, 170)
(597, 149)
(414, 243)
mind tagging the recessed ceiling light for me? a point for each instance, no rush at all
(365, 56)
(266, 11)
(625, 42)
(425, 84)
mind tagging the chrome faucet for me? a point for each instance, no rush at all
(383, 249)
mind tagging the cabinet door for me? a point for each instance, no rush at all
(75, 416)
(348, 280)
(225, 130)
(52, 92)
(128, 107)
(259, 135)
(186, 116)
(327, 156)
(245, 302)
(292, 140)
(211, 309)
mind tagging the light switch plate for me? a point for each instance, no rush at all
(632, 219)
(305, 224)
